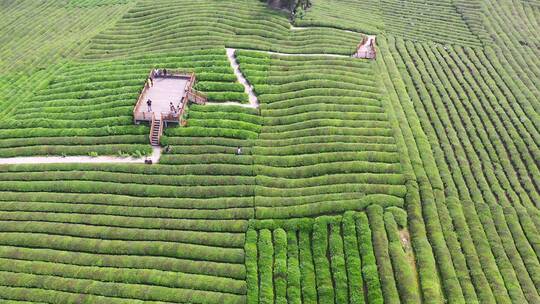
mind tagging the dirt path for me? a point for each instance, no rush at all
(248, 88)
(156, 154)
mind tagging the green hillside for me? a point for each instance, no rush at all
(410, 178)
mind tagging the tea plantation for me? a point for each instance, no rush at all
(413, 177)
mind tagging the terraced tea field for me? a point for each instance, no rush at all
(302, 174)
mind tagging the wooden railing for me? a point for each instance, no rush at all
(142, 115)
(196, 97)
(152, 127)
(190, 94)
(170, 116)
(160, 130)
(141, 100)
(170, 73)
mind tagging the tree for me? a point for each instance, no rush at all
(296, 8)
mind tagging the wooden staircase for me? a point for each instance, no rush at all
(156, 130)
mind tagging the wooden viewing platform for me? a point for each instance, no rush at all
(164, 87)
(366, 48)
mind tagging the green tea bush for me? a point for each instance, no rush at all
(337, 264)
(265, 260)
(280, 265)
(307, 268)
(352, 259)
(325, 288)
(405, 278)
(294, 285)
(252, 271)
(380, 245)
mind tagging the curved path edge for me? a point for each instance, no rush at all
(156, 154)
(248, 88)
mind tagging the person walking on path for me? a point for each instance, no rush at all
(172, 107)
(149, 104)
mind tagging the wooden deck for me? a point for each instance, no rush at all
(174, 87)
(162, 93)
(163, 90)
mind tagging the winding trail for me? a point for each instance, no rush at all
(156, 151)
(248, 88)
(156, 154)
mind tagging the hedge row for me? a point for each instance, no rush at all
(324, 139)
(142, 248)
(100, 176)
(252, 270)
(370, 271)
(265, 264)
(198, 169)
(506, 273)
(73, 132)
(280, 266)
(294, 295)
(171, 221)
(150, 203)
(346, 167)
(307, 268)
(380, 244)
(134, 149)
(412, 140)
(314, 159)
(403, 272)
(126, 291)
(337, 264)
(325, 259)
(37, 141)
(325, 286)
(325, 207)
(218, 239)
(136, 32)
(318, 148)
(353, 259)
(143, 277)
(129, 189)
(226, 270)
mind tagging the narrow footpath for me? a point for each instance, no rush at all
(248, 88)
(156, 154)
